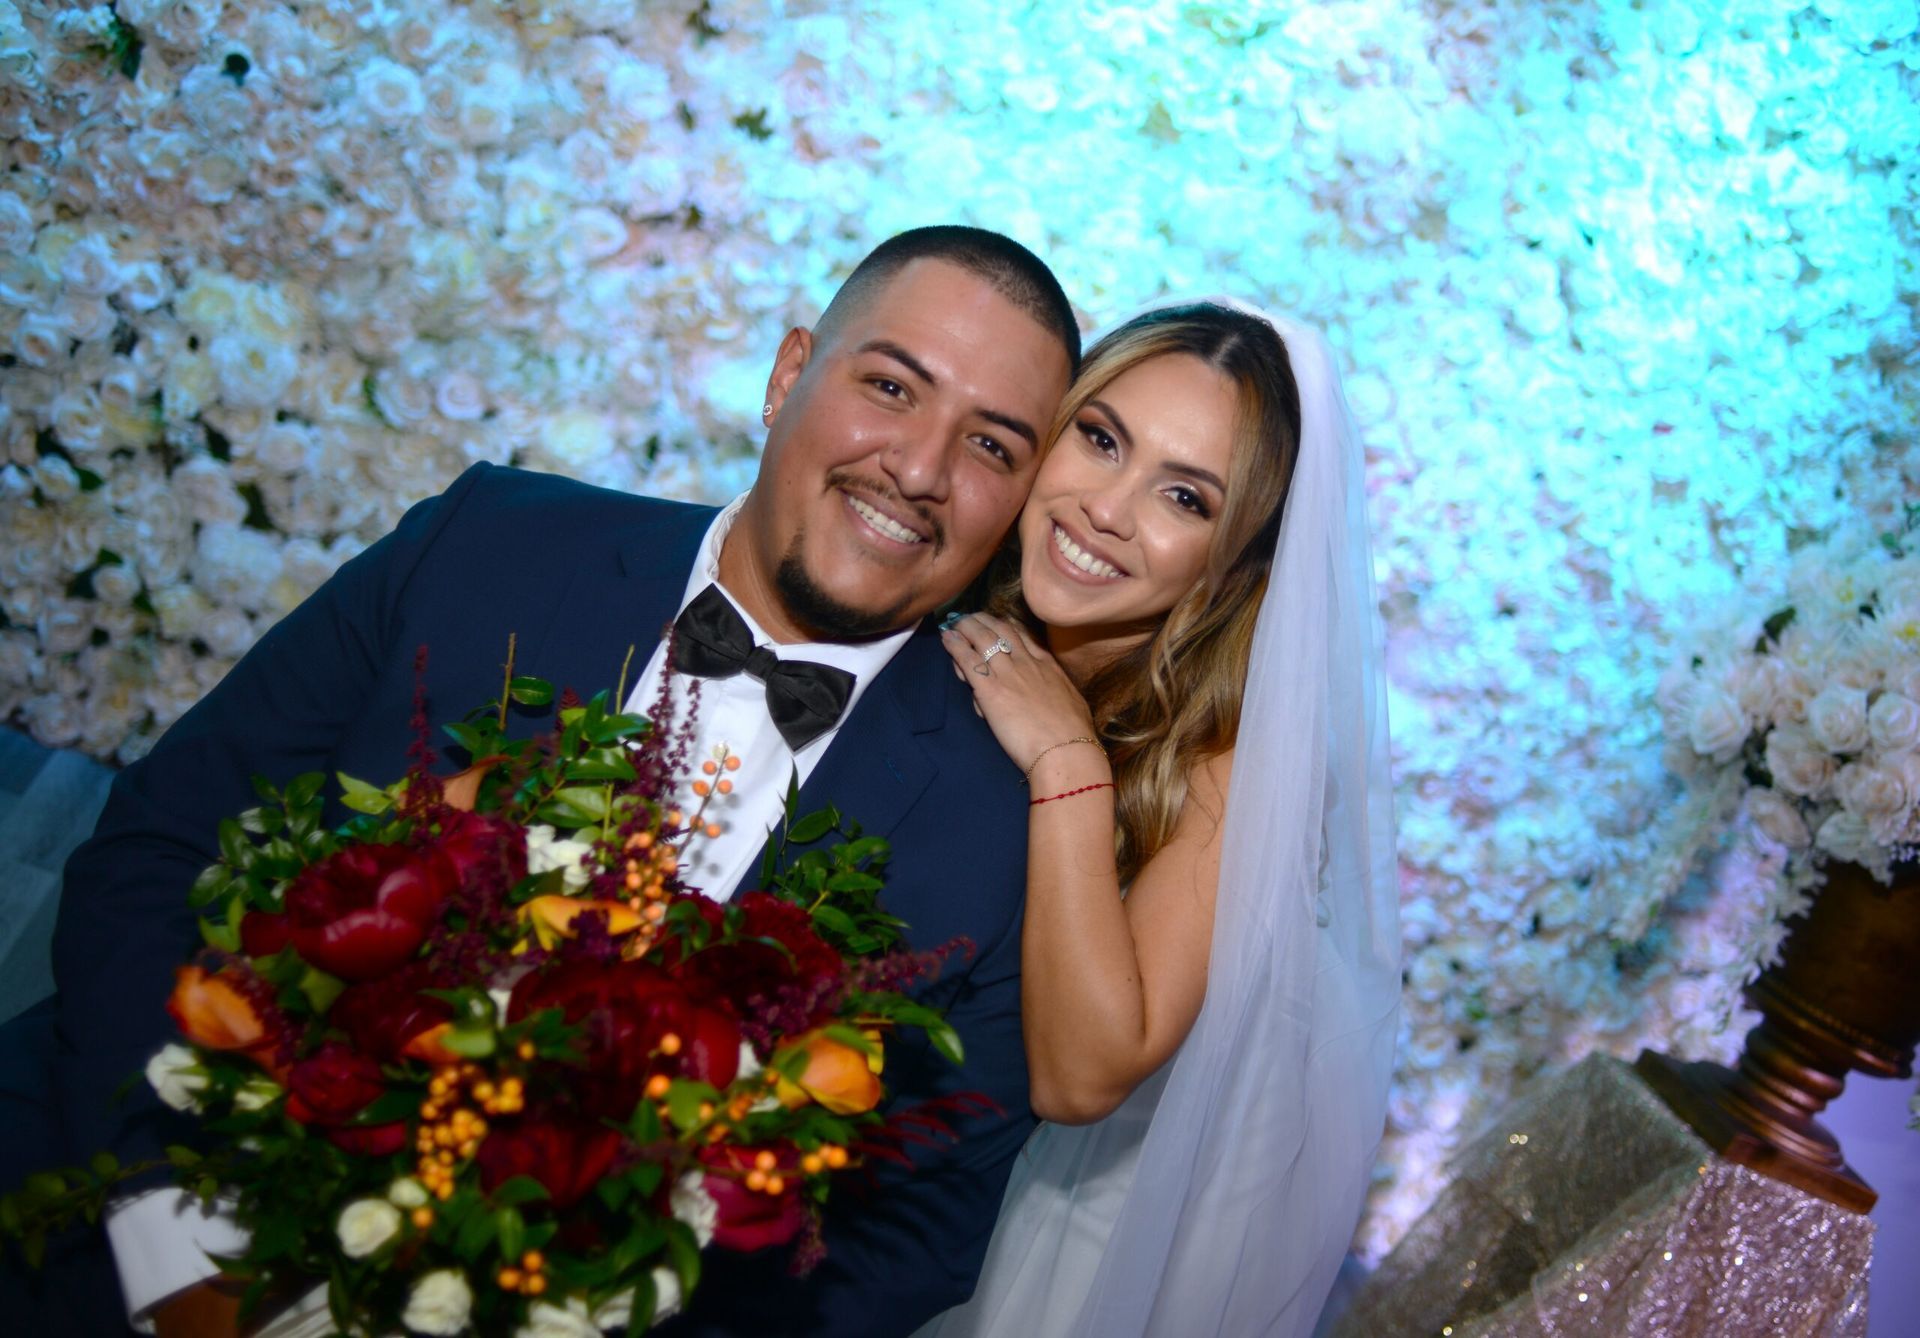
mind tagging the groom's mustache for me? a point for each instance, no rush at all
(848, 481)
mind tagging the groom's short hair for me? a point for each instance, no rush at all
(1013, 271)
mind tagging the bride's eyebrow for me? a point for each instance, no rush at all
(1119, 423)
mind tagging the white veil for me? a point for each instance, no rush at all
(1258, 1156)
(1259, 1135)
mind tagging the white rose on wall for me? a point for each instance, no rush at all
(1778, 818)
(1893, 722)
(1799, 764)
(1837, 718)
(389, 91)
(1717, 725)
(251, 371)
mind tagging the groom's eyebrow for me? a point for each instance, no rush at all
(886, 348)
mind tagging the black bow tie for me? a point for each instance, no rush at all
(712, 640)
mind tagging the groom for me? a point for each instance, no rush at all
(903, 433)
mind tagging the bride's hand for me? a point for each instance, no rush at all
(1024, 695)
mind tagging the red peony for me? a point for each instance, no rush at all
(565, 1154)
(381, 1016)
(735, 972)
(263, 933)
(473, 842)
(364, 911)
(626, 1010)
(332, 1085)
(371, 1140)
(751, 1219)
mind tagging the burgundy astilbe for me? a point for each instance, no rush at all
(896, 970)
(809, 1247)
(423, 786)
(789, 1010)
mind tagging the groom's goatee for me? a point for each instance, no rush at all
(827, 618)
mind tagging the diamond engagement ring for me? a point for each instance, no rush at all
(1000, 647)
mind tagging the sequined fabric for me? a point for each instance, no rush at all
(1589, 1208)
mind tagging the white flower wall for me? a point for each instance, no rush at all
(1626, 293)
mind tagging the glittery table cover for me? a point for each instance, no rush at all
(1589, 1208)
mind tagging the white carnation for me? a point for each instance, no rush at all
(256, 1093)
(547, 1320)
(406, 1192)
(546, 851)
(177, 1077)
(616, 1311)
(1894, 722)
(365, 1225)
(440, 1304)
(691, 1204)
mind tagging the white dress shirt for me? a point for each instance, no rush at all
(161, 1239)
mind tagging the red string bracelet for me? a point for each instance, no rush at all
(1068, 794)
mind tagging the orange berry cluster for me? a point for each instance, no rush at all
(706, 789)
(529, 1279)
(649, 864)
(451, 1129)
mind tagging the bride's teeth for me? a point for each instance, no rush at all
(1081, 558)
(887, 525)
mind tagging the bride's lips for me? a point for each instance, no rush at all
(883, 523)
(1065, 565)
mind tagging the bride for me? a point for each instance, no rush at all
(1186, 663)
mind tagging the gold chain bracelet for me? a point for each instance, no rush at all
(1078, 738)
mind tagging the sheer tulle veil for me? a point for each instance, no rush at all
(1257, 1155)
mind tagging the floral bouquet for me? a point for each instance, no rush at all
(476, 1059)
(1805, 714)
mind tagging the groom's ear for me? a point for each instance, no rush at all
(796, 351)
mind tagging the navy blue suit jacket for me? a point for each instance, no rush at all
(580, 574)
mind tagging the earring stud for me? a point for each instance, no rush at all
(766, 411)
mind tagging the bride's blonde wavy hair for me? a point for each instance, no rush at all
(1173, 700)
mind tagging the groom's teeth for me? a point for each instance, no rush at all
(1081, 558)
(888, 526)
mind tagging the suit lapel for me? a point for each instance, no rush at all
(880, 763)
(621, 597)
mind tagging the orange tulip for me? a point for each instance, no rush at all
(552, 917)
(216, 1016)
(430, 1045)
(462, 790)
(838, 1076)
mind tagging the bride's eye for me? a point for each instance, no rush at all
(1189, 500)
(1098, 437)
(887, 386)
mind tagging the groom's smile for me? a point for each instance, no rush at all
(901, 446)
